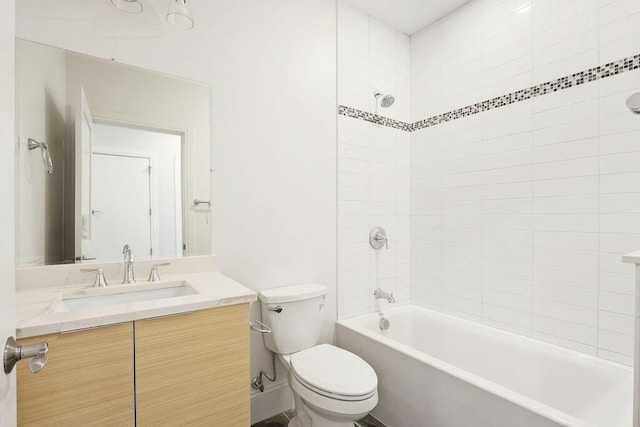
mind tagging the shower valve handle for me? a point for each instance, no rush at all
(378, 238)
(383, 239)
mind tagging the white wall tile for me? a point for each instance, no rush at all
(566, 330)
(566, 277)
(566, 294)
(541, 195)
(374, 164)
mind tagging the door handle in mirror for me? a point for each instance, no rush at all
(14, 352)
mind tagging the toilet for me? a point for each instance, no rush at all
(331, 386)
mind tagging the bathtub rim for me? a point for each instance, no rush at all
(503, 392)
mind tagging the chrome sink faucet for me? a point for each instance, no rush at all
(379, 293)
(129, 277)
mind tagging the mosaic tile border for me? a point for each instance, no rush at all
(592, 74)
(374, 118)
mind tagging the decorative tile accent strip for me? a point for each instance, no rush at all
(582, 77)
(373, 118)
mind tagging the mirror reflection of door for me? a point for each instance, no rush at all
(84, 132)
(121, 205)
(62, 97)
(136, 193)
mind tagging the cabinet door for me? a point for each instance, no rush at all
(193, 369)
(88, 380)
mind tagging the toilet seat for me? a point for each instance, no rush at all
(334, 373)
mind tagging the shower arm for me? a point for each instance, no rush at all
(386, 101)
(32, 144)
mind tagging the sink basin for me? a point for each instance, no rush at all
(121, 294)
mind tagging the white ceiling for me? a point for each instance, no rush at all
(407, 16)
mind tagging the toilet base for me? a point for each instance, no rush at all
(307, 416)
(324, 423)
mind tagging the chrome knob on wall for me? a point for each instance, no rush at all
(378, 238)
(14, 352)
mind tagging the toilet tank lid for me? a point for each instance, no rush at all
(292, 293)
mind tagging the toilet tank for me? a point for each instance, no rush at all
(295, 315)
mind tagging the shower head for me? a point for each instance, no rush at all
(387, 100)
(633, 103)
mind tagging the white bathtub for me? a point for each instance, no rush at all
(436, 370)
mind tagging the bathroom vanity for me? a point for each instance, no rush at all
(169, 361)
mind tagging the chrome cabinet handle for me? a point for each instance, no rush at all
(14, 352)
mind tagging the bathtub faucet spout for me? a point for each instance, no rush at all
(379, 293)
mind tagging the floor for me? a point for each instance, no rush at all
(281, 420)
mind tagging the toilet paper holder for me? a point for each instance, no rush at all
(259, 327)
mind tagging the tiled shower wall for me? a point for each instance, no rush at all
(373, 163)
(519, 215)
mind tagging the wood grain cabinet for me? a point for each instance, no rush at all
(187, 369)
(193, 369)
(88, 380)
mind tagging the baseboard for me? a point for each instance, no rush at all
(275, 399)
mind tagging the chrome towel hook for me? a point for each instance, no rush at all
(46, 156)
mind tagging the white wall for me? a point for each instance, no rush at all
(274, 157)
(7, 206)
(373, 162)
(520, 214)
(272, 68)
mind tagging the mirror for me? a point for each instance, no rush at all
(108, 155)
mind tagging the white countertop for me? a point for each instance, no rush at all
(632, 257)
(35, 316)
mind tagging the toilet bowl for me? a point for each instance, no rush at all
(332, 387)
(335, 387)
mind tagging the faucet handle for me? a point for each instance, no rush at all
(100, 281)
(154, 276)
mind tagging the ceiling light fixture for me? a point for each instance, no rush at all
(179, 14)
(128, 6)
